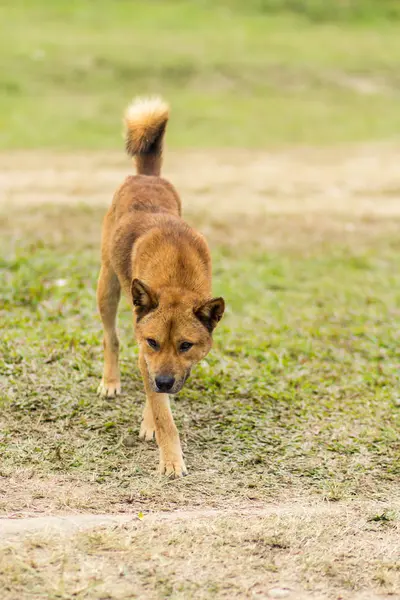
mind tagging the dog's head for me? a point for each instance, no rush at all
(174, 331)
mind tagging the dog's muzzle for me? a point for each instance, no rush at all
(168, 384)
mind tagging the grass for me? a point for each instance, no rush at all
(296, 406)
(307, 347)
(235, 76)
(208, 558)
(290, 427)
(300, 389)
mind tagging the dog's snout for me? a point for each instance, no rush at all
(165, 383)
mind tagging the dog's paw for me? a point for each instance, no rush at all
(147, 431)
(173, 468)
(109, 389)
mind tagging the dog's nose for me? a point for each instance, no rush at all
(165, 383)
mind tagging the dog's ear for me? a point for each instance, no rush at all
(144, 298)
(210, 313)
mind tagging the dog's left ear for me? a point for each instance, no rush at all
(210, 313)
(143, 297)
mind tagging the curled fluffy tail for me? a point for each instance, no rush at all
(145, 123)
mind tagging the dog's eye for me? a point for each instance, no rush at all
(153, 344)
(185, 346)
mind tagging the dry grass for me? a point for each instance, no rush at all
(345, 180)
(302, 551)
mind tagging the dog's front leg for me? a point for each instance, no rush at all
(108, 295)
(147, 427)
(158, 408)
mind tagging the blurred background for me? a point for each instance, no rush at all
(248, 73)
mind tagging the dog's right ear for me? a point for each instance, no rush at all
(143, 297)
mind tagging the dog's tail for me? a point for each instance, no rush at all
(145, 123)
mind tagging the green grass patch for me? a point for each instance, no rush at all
(300, 390)
(235, 75)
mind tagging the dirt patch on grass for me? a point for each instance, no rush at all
(296, 198)
(69, 523)
(345, 180)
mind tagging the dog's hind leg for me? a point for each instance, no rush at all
(171, 458)
(108, 295)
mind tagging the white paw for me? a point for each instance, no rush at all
(173, 468)
(109, 389)
(147, 431)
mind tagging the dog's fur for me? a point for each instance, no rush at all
(164, 268)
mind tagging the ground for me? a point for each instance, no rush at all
(289, 428)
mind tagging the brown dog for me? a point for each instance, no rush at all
(164, 268)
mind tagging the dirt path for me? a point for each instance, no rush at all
(361, 179)
(69, 524)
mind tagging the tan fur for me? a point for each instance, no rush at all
(163, 267)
